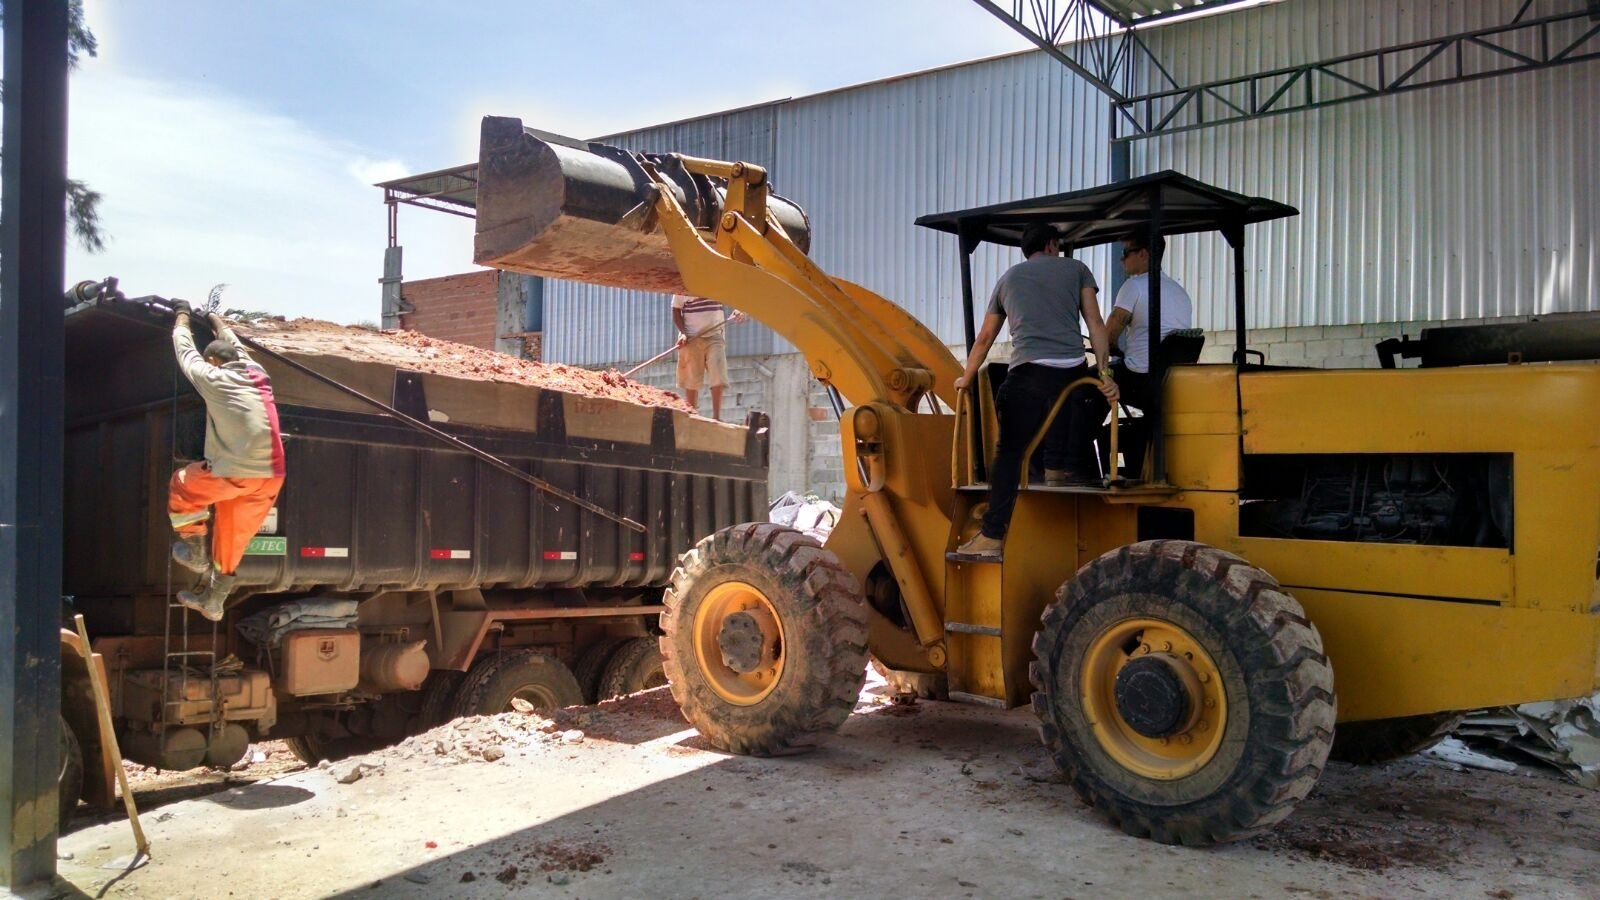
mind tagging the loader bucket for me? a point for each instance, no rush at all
(561, 208)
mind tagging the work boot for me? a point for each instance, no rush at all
(189, 551)
(209, 602)
(981, 547)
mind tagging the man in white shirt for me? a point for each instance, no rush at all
(702, 349)
(1129, 329)
(1129, 323)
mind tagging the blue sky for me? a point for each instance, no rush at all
(237, 142)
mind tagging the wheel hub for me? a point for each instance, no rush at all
(738, 642)
(1154, 697)
(741, 642)
(1151, 696)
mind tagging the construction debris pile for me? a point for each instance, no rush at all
(1561, 733)
(416, 352)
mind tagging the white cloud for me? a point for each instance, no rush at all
(201, 188)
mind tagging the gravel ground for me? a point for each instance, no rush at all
(623, 800)
(417, 352)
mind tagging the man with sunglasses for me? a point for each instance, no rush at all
(1129, 324)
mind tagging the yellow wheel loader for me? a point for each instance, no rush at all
(1305, 561)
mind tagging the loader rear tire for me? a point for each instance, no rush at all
(633, 668)
(1183, 693)
(523, 674)
(69, 782)
(1382, 740)
(765, 639)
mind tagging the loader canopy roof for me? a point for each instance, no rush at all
(1114, 212)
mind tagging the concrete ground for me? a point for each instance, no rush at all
(929, 800)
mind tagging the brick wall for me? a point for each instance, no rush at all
(457, 308)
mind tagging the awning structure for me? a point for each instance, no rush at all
(453, 190)
(1176, 203)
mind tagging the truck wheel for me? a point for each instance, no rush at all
(634, 668)
(765, 639)
(312, 749)
(437, 694)
(1381, 740)
(69, 783)
(591, 666)
(523, 674)
(1183, 693)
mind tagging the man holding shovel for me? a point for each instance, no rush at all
(702, 348)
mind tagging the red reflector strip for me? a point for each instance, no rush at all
(635, 557)
(449, 554)
(560, 554)
(320, 552)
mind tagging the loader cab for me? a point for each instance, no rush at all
(1162, 204)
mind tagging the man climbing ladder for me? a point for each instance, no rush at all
(243, 468)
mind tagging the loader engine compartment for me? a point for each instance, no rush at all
(1440, 499)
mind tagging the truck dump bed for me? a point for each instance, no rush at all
(372, 505)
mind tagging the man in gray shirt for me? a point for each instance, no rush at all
(1046, 299)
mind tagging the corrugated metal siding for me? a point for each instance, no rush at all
(1475, 200)
(865, 162)
(1470, 201)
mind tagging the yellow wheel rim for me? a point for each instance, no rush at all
(1196, 733)
(738, 642)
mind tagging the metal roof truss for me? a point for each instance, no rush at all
(1100, 41)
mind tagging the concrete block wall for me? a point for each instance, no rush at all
(458, 308)
(1327, 346)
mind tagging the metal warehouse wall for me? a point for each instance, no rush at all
(1475, 200)
(865, 162)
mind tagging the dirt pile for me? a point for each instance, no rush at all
(416, 352)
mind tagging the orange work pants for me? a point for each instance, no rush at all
(241, 505)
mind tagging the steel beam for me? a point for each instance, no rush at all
(1523, 45)
(32, 246)
(1104, 47)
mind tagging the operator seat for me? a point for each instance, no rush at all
(1179, 348)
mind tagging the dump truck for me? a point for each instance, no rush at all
(1307, 562)
(446, 541)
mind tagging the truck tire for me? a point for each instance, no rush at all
(1183, 693)
(526, 674)
(591, 666)
(633, 668)
(312, 749)
(1382, 740)
(765, 639)
(438, 692)
(69, 783)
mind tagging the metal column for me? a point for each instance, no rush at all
(32, 237)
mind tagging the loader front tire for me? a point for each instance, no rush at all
(1183, 693)
(1382, 740)
(764, 640)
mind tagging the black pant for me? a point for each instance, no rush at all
(1024, 400)
(1090, 409)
